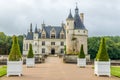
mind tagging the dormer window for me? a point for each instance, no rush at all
(53, 34)
(62, 36)
(43, 36)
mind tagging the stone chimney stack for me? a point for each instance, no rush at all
(82, 17)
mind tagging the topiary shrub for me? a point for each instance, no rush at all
(81, 54)
(30, 52)
(15, 54)
(102, 54)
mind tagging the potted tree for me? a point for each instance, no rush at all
(81, 60)
(14, 62)
(30, 61)
(102, 61)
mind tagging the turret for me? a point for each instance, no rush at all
(70, 21)
(36, 33)
(31, 27)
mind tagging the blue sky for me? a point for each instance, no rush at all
(101, 17)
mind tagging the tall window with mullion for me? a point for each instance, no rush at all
(43, 50)
(43, 43)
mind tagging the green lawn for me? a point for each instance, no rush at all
(3, 70)
(115, 71)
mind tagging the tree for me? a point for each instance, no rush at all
(30, 52)
(81, 54)
(102, 54)
(15, 54)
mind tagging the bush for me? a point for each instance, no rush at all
(81, 54)
(64, 49)
(30, 52)
(15, 54)
(102, 54)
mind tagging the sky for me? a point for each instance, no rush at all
(101, 17)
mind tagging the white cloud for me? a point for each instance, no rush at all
(101, 16)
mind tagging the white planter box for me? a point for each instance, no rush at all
(81, 62)
(102, 68)
(14, 68)
(30, 62)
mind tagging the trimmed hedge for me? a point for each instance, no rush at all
(81, 54)
(15, 54)
(102, 54)
(30, 52)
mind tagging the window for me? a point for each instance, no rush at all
(43, 35)
(43, 43)
(35, 44)
(62, 43)
(62, 51)
(52, 43)
(67, 23)
(52, 36)
(26, 46)
(35, 51)
(62, 36)
(43, 50)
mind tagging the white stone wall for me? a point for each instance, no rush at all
(37, 49)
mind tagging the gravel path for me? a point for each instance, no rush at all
(55, 69)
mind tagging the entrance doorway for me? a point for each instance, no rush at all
(52, 51)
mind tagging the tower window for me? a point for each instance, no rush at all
(67, 23)
(26, 46)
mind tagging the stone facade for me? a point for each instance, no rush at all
(51, 39)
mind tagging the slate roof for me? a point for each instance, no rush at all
(47, 30)
(29, 36)
(77, 21)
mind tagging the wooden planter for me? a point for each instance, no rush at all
(14, 68)
(30, 62)
(102, 68)
(81, 62)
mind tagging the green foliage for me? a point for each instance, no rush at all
(6, 43)
(15, 54)
(102, 54)
(112, 44)
(115, 71)
(81, 54)
(64, 49)
(3, 71)
(30, 52)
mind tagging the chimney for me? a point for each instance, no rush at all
(82, 17)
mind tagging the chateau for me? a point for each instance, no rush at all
(51, 39)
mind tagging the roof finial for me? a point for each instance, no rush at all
(76, 4)
(76, 9)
